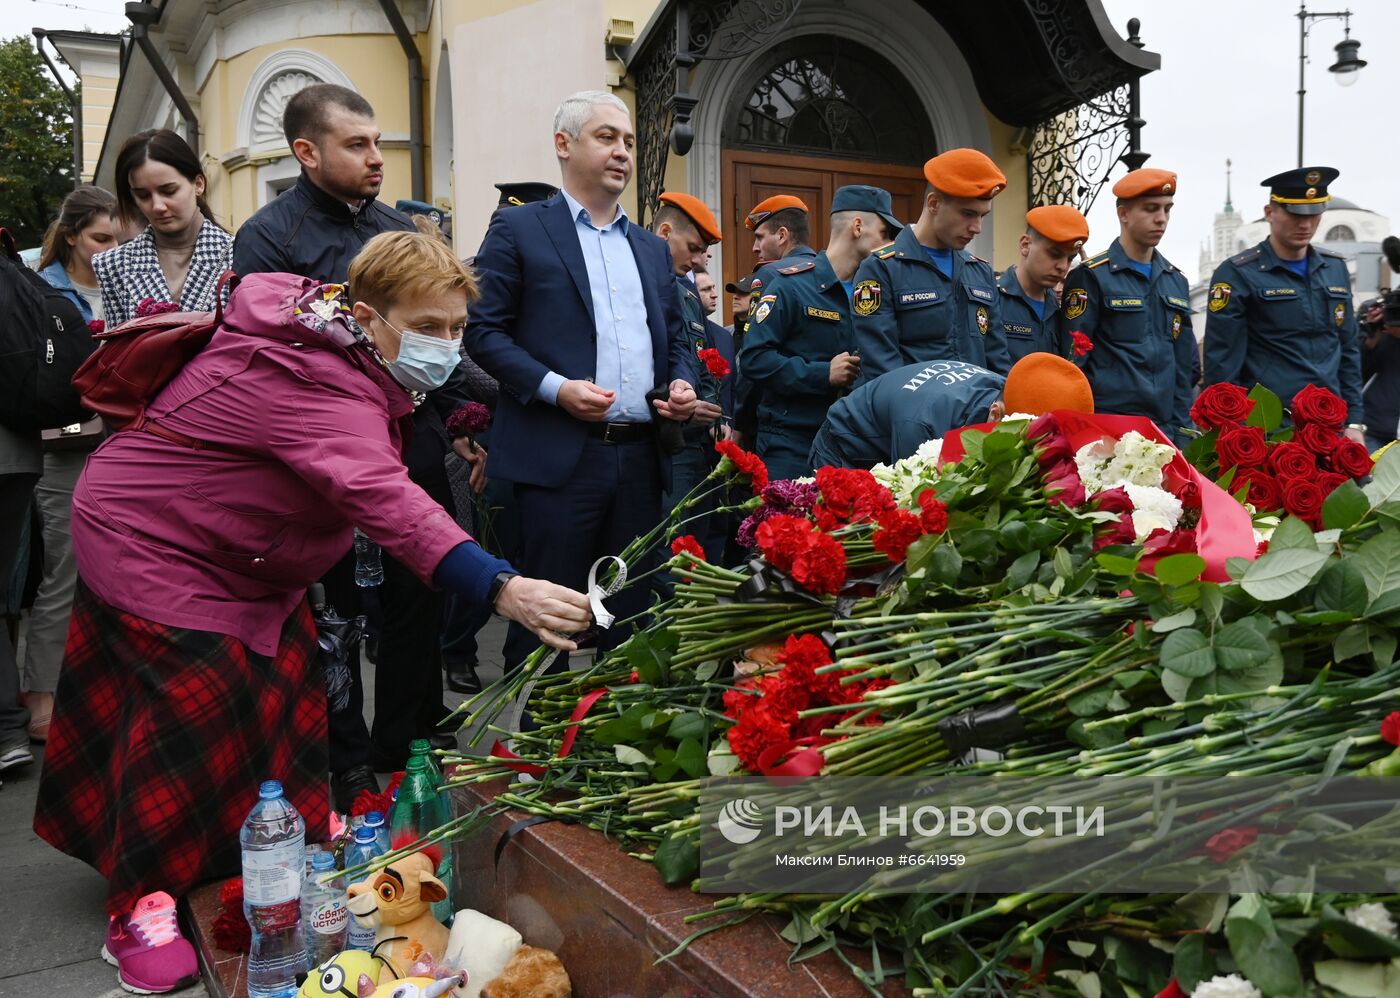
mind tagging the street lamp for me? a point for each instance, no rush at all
(1346, 68)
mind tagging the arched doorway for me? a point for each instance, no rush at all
(816, 113)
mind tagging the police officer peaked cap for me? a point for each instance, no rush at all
(766, 207)
(1147, 182)
(696, 211)
(1059, 223)
(965, 173)
(1302, 191)
(525, 193)
(863, 197)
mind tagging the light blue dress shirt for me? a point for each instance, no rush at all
(620, 314)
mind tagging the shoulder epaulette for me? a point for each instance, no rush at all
(1096, 261)
(979, 259)
(1324, 251)
(885, 252)
(798, 268)
(1246, 256)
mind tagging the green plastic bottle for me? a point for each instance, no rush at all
(419, 809)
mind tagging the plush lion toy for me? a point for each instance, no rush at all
(398, 902)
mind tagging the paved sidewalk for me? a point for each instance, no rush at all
(55, 927)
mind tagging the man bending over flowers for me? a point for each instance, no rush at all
(890, 417)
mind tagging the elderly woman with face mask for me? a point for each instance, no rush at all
(190, 670)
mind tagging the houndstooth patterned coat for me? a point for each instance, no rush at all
(132, 272)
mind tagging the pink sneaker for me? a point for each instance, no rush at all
(147, 949)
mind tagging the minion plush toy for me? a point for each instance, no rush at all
(339, 976)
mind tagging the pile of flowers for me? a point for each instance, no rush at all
(1277, 469)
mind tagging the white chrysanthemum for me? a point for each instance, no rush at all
(1226, 986)
(1153, 509)
(1130, 470)
(1017, 417)
(1090, 461)
(1140, 450)
(1372, 917)
(929, 451)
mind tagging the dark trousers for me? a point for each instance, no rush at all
(408, 674)
(688, 469)
(349, 738)
(15, 492)
(613, 496)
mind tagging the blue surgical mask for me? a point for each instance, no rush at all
(424, 362)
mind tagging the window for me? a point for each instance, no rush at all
(827, 95)
(1340, 234)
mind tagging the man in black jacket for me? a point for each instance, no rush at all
(316, 228)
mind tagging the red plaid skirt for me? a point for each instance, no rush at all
(159, 739)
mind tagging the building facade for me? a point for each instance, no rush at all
(733, 99)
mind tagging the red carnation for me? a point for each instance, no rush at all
(714, 362)
(1263, 489)
(468, 419)
(1315, 404)
(367, 800)
(933, 515)
(231, 932)
(149, 306)
(756, 731)
(849, 495)
(1317, 438)
(1292, 460)
(1303, 499)
(821, 566)
(1221, 405)
(96, 326)
(781, 538)
(1172, 990)
(1224, 844)
(1242, 446)
(687, 544)
(1352, 458)
(1390, 728)
(898, 529)
(1081, 343)
(750, 465)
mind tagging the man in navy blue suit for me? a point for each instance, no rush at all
(578, 320)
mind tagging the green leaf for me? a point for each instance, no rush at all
(1179, 569)
(1345, 506)
(1378, 561)
(799, 930)
(1239, 646)
(627, 727)
(690, 724)
(1292, 533)
(1064, 565)
(1384, 486)
(1352, 941)
(1192, 963)
(1341, 587)
(1177, 686)
(945, 565)
(1259, 953)
(1353, 642)
(629, 756)
(677, 860)
(1280, 574)
(1116, 564)
(1254, 679)
(1359, 980)
(1021, 570)
(1268, 410)
(691, 758)
(1188, 653)
(1090, 702)
(1182, 618)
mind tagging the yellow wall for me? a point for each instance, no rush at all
(98, 94)
(1009, 211)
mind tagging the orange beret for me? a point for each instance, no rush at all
(767, 206)
(1042, 382)
(1145, 182)
(696, 211)
(965, 173)
(1059, 223)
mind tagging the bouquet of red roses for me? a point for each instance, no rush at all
(1278, 469)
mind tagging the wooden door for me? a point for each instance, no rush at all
(749, 177)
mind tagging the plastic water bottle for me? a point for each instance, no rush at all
(362, 850)
(325, 919)
(369, 566)
(375, 822)
(418, 810)
(273, 841)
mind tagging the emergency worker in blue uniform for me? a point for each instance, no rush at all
(1134, 308)
(1280, 314)
(1029, 306)
(781, 234)
(924, 297)
(800, 347)
(888, 419)
(690, 229)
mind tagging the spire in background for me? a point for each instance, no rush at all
(1229, 207)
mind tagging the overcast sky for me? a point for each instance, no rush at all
(1227, 89)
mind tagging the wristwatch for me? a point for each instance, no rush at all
(1358, 426)
(497, 584)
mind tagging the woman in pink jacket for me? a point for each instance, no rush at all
(190, 674)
